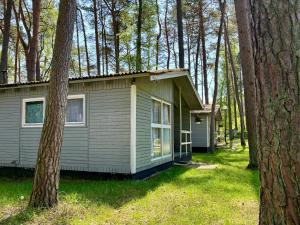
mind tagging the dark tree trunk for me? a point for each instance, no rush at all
(5, 42)
(276, 58)
(31, 58)
(180, 33)
(235, 115)
(138, 66)
(247, 61)
(78, 46)
(228, 90)
(198, 45)
(203, 45)
(158, 35)
(212, 116)
(236, 89)
(85, 43)
(97, 38)
(46, 178)
(167, 34)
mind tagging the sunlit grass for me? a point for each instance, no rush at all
(179, 195)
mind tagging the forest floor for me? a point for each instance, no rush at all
(215, 189)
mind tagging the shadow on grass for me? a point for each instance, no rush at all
(22, 216)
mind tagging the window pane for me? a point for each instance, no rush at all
(34, 112)
(167, 142)
(74, 111)
(156, 111)
(156, 142)
(166, 114)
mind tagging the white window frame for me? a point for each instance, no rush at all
(77, 124)
(26, 100)
(161, 126)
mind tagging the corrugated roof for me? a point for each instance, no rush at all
(98, 77)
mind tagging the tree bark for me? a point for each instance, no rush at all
(180, 33)
(5, 42)
(203, 45)
(276, 59)
(158, 35)
(78, 46)
(228, 90)
(85, 43)
(167, 34)
(236, 89)
(97, 38)
(212, 116)
(247, 61)
(198, 46)
(138, 66)
(46, 178)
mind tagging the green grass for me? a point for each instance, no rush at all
(225, 195)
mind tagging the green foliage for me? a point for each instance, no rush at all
(179, 195)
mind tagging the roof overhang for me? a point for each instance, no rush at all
(183, 81)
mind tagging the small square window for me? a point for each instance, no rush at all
(75, 112)
(33, 112)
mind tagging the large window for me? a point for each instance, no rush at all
(161, 128)
(75, 113)
(33, 112)
(34, 109)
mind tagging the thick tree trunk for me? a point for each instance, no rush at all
(203, 45)
(85, 43)
(228, 90)
(180, 33)
(97, 38)
(212, 116)
(167, 34)
(5, 42)
(138, 65)
(46, 178)
(236, 88)
(276, 58)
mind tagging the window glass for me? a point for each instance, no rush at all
(166, 114)
(34, 112)
(156, 111)
(156, 142)
(167, 141)
(74, 113)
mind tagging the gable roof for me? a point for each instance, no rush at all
(207, 110)
(181, 78)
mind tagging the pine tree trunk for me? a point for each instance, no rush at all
(167, 34)
(97, 38)
(203, 45)
(236, 89)
(180, 33)
(78, 46)
(158, 35)
(212, 116)
(85, 43)
(228, 90)
(138, 66)
(5, 42)
(46, 178)
(276, 58)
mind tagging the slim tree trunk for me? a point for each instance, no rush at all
(228, 90)
(276, 59)
(167, 35)
(198, 46)
(85, 43)
(212, 116)
(5, 42)
(180, 33)
(139, 38)
(158, 35)
(236, 89)
(46, 178)
(203, 45)
(235, 114)
(78, 46)
(97, 38)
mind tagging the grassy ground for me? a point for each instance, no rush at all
(227, 194)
